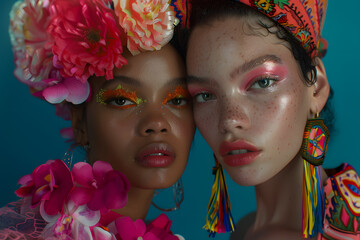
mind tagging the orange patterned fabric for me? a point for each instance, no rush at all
(304, 19)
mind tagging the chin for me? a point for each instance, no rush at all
(247, 177)
(156, 181)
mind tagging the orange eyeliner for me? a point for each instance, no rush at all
(104, 96)
(179, 92)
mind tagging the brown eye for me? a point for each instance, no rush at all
(178, 101)
(121, 101)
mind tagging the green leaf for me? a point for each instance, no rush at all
(281, 3)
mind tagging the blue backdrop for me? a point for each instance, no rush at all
(30, 129)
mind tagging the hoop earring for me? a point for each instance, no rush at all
(178, 196)
(69, 154)
(313, 150)
(219, 218)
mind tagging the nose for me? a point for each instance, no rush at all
(153, 122)
(233, 116)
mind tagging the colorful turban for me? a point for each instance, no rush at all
(303, 19)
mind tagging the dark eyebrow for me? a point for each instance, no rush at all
(123, 79)
(254, 63)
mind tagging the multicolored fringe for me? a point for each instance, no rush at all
(219, 218)
(313, 201)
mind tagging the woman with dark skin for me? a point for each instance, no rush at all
(129, 108)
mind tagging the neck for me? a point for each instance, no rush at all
(279, 200)
(138, 204)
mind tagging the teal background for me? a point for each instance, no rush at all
(30, 129)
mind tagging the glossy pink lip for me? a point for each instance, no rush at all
(156, 155)
(241, 158)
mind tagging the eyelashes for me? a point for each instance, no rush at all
(177, 98)
(124, 99)
(119, 98)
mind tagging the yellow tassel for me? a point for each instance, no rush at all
(219, 218)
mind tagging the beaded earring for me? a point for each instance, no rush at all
(313, 149)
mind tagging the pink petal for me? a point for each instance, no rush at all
(56, 93)
(25, 180)
(97, 201)
(101, 234)
(67, 133)
(81, 231)
(162, 221)
(48, 218)
(128, 230)
(100, 168)
(78, 91)
(150, 236)
(80, 195)
(83, 174)
(86, 216)
(55, 203)
(116, 196)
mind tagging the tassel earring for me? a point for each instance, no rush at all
(313, 149)
(219, 218)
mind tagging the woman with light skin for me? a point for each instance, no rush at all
(255, 84)
(126, 96)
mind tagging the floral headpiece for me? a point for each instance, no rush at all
(59, 44)
(303, 19)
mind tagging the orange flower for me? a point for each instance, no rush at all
(149, 24)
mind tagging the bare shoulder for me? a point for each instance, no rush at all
(242, 226)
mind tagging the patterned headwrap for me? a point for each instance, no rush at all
(304, 19)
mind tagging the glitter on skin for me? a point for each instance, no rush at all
(179, 92)
(104, 96)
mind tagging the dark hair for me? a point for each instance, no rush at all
(206, 11)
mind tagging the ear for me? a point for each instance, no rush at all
(321, 88)
(78, 121)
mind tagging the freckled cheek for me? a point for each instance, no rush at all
(281, 120)
(206, 119)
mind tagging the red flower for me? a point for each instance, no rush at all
(100, 187)
(160, 227)
(50, 183)
(86, 38)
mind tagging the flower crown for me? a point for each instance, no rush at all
(59, 44)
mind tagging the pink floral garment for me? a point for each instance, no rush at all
(61, 204)
(342, 204)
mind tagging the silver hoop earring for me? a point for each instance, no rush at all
(178, 197)
(69, 154)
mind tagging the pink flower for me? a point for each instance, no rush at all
(149, 24)
(100, 187)
(160, 227)
(27, 186)
(49, 185)
(86, 39)
(129, 230)
(70, 89)
(156, 230)
(31, 43)
(74, 223)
